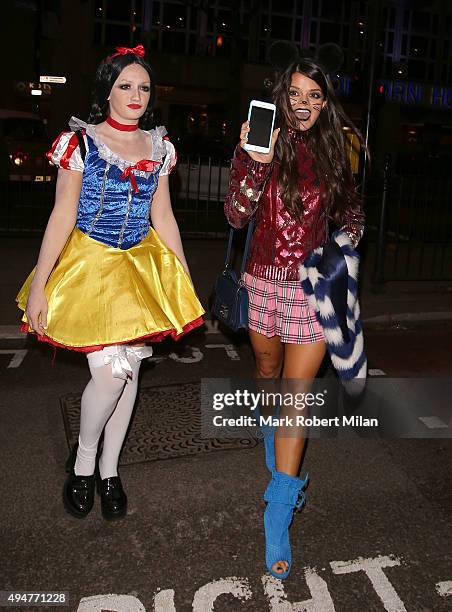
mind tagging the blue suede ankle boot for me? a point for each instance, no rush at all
(283, 495)
(268, 433)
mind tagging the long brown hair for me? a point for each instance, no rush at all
(325, 141)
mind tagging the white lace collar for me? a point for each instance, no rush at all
(156, 134)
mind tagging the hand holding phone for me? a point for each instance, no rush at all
(257, 136)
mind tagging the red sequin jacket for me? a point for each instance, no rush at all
(280, 242)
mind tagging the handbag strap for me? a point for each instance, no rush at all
(246, 249)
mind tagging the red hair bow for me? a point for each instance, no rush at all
(138, 50)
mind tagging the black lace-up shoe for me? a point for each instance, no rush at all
(112, 497)
(78, 491)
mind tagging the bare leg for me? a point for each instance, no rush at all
(301, 364)
(269, 353)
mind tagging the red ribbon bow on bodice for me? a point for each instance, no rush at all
(138, 50)
(147, 165)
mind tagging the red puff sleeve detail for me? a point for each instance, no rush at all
(65, 152)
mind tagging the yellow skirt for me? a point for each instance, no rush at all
(100, 295)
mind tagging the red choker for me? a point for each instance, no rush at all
(122, 127)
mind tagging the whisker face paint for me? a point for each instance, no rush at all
(306, 101)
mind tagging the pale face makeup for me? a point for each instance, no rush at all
(130, 94)
(306, 100)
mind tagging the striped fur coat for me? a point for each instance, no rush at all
(329, 277)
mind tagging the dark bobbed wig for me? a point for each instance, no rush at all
(106, 75)
(325, 140)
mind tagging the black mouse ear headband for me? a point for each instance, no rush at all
(282, 54)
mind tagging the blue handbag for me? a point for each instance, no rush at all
(230, 303)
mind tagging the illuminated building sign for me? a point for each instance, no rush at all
(404, 92)
(341, 84)
(45, 78)
(441, 96)
(27, 88)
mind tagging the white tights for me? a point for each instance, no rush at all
(107, 404)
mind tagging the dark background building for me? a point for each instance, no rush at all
(211, 58)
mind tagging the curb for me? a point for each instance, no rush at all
(408, 317)
(11, 332)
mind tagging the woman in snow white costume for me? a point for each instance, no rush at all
(106, 281)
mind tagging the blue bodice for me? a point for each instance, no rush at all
(116, 197)
(109, 210)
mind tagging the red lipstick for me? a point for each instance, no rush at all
(134, 106)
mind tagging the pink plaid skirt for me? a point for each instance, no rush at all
(280, 308)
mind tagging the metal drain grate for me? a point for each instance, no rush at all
(166, 425)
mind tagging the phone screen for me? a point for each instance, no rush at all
(261, 121)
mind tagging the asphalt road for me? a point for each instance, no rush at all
(375, 534)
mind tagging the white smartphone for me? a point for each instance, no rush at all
(261, 116)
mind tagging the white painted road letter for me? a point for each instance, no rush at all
(196, 355)
(444, 589)
(164, 601)
(113, 603)
(373, 568)
(17, 356)
(206, 596)
(229, 348)
(320, 597)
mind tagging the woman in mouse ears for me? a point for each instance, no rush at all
(111, 273)
(293, 191)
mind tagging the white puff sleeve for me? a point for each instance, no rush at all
(170, 158)
(65, 152)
